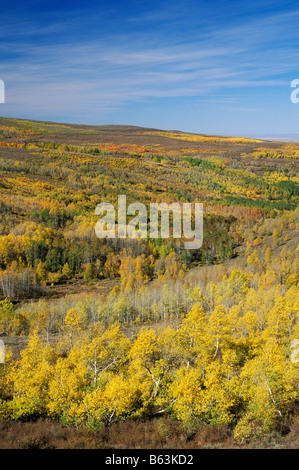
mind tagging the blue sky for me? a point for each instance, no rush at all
(214, 67)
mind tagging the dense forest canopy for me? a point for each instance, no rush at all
(121, 329)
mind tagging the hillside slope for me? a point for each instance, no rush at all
(101, 331)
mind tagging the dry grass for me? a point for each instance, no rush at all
(162, 433)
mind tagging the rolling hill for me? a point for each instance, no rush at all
(140, 328)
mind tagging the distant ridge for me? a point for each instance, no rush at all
(133, 129)
(278, 137)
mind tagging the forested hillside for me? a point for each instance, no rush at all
(103, 331)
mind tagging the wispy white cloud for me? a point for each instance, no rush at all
(109, 71)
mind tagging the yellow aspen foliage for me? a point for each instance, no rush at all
(186, 391)
(279, 322)
(248, 324)
(249, 339)
(220, 391)
(66, 271)
(106, 351)
(6, 382)
(253, 258)
(275, 234)
(292, 280)
(43, 322)
(88, 272)
(267, 279)
(268, 255)
(72, 319)
(73, 324)
(121, 396)
(192, 336)
(41, 271)
(208, 397)
(237, 284)
(7, 315)
(111, 266)
(90, 411)
(257, 241)
(218, 331)
(105, 404)
(30, 376)
(67, 384)
(292, 301)
(268, 383)
(153, 355)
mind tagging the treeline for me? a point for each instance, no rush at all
(54, 251)
(49, 191)
(221, 364)
(172, 291)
